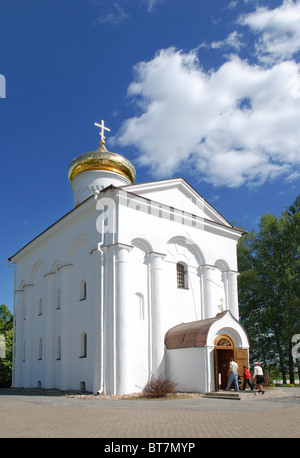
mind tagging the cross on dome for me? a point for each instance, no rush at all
(102, 127)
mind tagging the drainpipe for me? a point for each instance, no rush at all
(101, 389)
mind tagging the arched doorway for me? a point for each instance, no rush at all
(224, 350)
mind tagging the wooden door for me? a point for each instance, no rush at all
(242, 358)
(222, 360)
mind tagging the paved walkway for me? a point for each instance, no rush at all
(276, 414)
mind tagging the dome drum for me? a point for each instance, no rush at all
(95, 170)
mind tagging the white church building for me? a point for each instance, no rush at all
(136, 280)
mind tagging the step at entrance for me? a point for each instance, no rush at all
(222, 395)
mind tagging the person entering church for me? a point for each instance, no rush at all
(258, 376)
(232, 375)
(247, 378)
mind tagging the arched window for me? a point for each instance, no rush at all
(181, 275)
(224, 341)
(58, 348)
(141, 306)
(40, 311)
(24, 348)
(83, 345)
(83, 290)
(40, 349)
(58, 299)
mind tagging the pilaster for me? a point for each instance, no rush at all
(66, 337)
(123, 328)
(156, 326)
(50, 304)
(28, 334)
(233, 294)
(209, 306)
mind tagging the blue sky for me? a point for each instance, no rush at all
(204, 89)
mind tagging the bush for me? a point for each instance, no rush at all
(159, 386)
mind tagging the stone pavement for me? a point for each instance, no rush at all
(276, 414)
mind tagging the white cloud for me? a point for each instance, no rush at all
(233, 40)
(152, 3)
(279, 31)
(236, 125)
(115, 15)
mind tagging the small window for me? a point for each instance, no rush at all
(24, 348)
(83, 290)
(224, 341)
(58, 299)
(181, 276)
(58, 349)
(40, 349)
(40, 312)
(83, 344)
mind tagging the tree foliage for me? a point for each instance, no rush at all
(6, 330)
(269, 288)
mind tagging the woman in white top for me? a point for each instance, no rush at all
(259, 377)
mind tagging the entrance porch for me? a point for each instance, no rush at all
(198, 353)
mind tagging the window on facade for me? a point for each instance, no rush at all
(58, 348)
(40, 349)
(224, 341)
(58, 299)
(24, 346)
(83, 351)
(40, 311)
(181, 276)
(83, 290)
(141, 306)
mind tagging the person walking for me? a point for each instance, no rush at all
(258, 376)
(247, 378)
(233, 375)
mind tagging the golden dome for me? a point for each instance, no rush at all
(101, 159)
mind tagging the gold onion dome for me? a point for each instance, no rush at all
(101, 159)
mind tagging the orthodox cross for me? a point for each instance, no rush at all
(221, 306)
(102, 127)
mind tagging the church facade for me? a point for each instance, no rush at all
(136, 280)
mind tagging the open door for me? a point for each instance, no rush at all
(224, 350)
(222, 360)
(241, 356)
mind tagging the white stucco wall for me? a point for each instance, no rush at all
(132, 300)
(187, 367)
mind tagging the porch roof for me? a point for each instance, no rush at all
(193, 334)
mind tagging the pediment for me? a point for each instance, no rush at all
(177, 193)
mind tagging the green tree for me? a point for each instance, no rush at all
(269, 288)
(6, 330)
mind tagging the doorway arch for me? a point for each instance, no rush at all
(224, 351)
